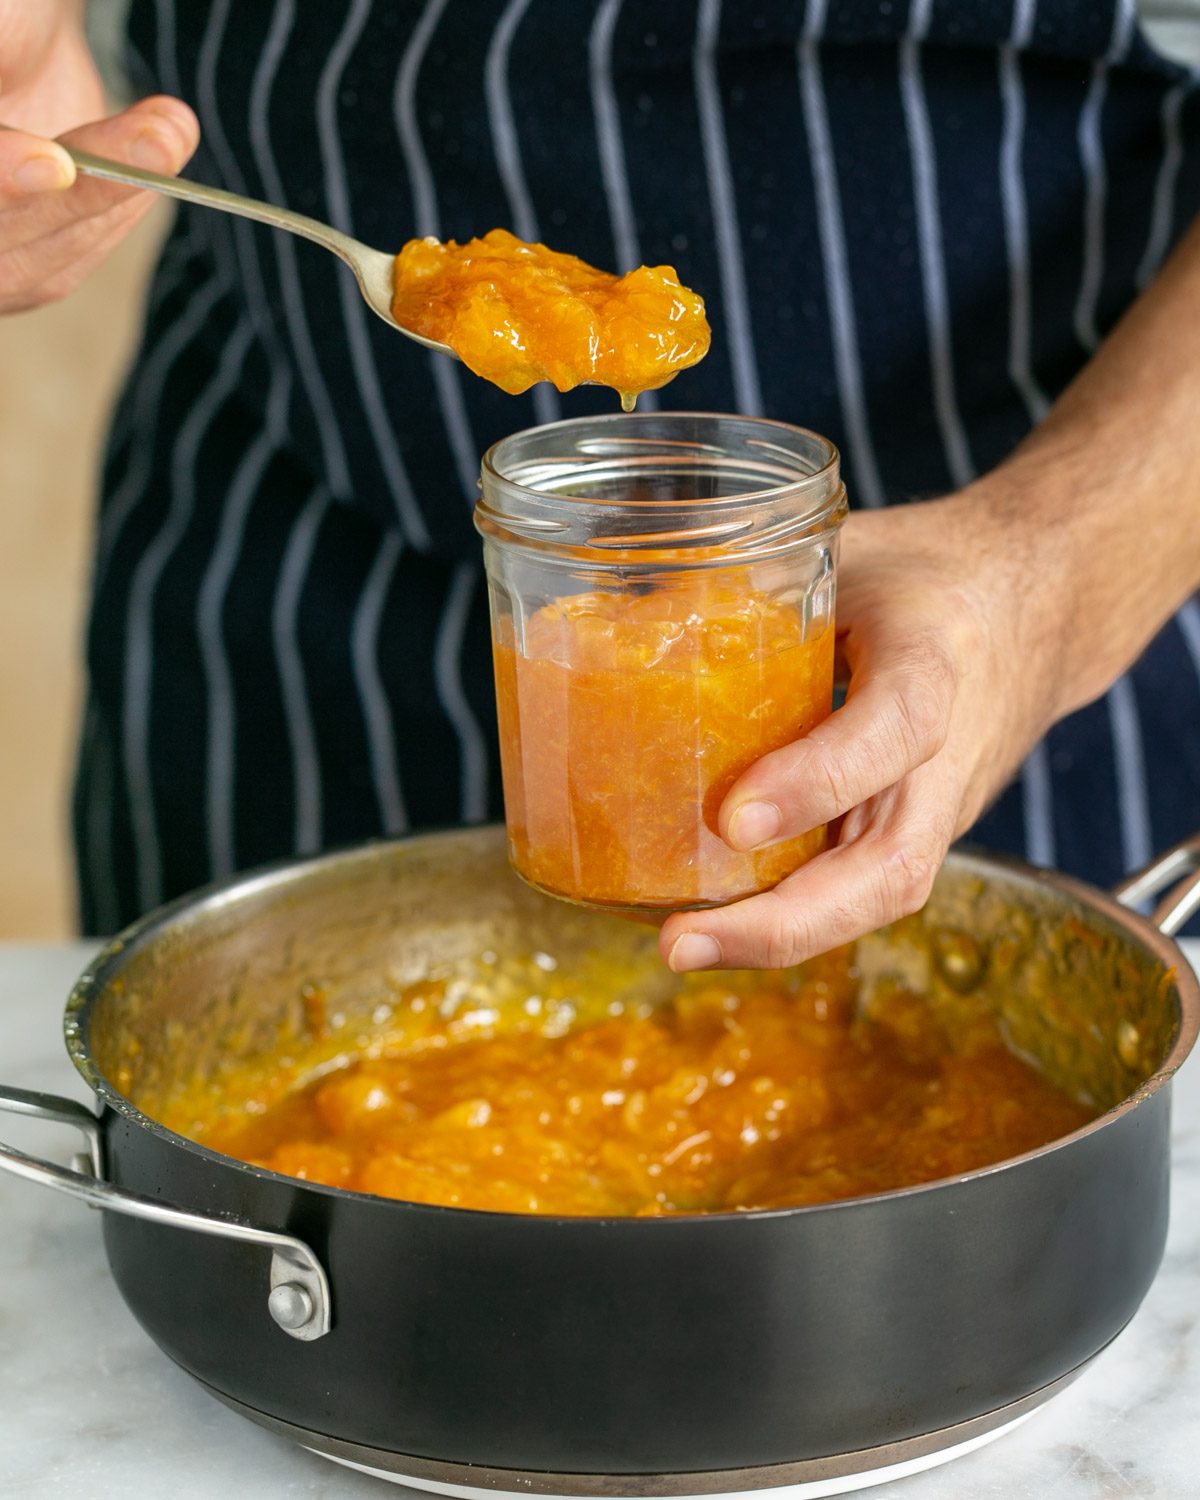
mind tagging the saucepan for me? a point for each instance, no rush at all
(471, 1352)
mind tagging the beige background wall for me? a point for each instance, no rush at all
(59, 368)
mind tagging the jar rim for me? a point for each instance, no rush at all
(529, 501)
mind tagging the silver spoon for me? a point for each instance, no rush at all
(372, 268)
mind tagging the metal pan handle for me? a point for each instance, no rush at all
(1176, 871)
(298, 1300)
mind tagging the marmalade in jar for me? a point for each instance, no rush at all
(516, 313)
(624, 720)
(740, 1092)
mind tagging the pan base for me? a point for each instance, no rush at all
(808, 1479)
(805, 1489)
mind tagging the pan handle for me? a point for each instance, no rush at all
(298, 1300)
(1177, 868)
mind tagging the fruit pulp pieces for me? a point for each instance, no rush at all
(625, 721)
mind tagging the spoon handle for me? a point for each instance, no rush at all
(213, 197)
(373, 269)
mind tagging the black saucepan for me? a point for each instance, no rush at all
(586, 1356)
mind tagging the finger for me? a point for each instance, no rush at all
(895, 718)
(158, 133)
(30, 166)
(49, 268)
(883, 873)
(78, 239)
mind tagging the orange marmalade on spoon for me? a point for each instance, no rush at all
(517, 313)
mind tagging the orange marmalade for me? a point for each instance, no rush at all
(624, 720)
(752, 1092)
(516, 313)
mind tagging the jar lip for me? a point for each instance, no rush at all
(575, 497)
(823, 477)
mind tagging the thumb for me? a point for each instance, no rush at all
(159, 133)
(31, 164)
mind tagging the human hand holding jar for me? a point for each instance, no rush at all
(951, 680)
(662, 592)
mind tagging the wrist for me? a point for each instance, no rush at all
(1085, 530)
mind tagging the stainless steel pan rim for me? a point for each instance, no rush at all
(276, 876)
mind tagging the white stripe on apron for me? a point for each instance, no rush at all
(447, 660)
(302, 742)
(1163, 216)
(831, 231)
(265, 75)
(1133, 803)
(139, 626)
(221, 747)
(1016, 223)
(354, 309)
(217, 142)
(446, 374)
(508, 159)
(929, 240)
(735, 298)
(147, 398)
(610, 145)
(377, 712)
(1091, 156)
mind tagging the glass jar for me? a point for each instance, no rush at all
(662, 596)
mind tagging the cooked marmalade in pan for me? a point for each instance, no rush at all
(751, 1091)
(619, 808)
(516, 313)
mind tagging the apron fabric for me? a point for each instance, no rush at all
(912, 223)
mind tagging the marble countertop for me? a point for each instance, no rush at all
(92, 1409)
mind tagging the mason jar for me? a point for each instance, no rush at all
(662, 603)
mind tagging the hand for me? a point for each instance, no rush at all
(969, 626)
(55, 230)
(952, 680)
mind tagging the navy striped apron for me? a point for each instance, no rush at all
(912, 222)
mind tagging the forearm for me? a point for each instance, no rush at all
(1106, 492)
